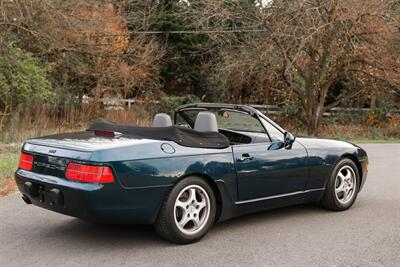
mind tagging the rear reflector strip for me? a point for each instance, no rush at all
(25, 162)
(89, 173)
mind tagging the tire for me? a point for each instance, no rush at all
(336, 197)
(188, 212)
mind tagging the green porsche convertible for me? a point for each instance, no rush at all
(208, 163)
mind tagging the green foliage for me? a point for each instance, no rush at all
(293, 109)
(385, 103)
(380, 113)
(22, 79)
(184, 69)
(8, 164)
(169, 103)
(65, 100)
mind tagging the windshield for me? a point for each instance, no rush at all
(226, 119)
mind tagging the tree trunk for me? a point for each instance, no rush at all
(316, 113)
(373, 102)
(318, 100)
(314, 121)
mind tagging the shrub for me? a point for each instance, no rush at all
(169, 103)
(22, 79)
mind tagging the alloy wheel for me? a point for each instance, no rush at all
(192, 209)
(345, 184)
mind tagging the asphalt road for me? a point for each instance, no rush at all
(366, 235)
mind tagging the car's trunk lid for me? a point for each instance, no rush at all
(86, 141)
(53, 153)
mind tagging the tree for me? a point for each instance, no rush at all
(322, 42)
(302, 48)
(184, 68)
(310, 55)
(86, 46)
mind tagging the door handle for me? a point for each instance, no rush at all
(244, 157)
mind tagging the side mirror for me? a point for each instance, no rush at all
(288, 140)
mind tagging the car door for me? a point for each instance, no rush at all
(268, 169)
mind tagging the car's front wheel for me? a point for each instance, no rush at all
(188, 212)
(342, 187)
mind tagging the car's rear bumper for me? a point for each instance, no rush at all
(110, 203)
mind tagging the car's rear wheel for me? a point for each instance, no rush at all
(188, 212)
(342, 187)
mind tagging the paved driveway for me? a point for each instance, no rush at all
(367, 234)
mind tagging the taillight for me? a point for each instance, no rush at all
(25, 161)
(89, 173)
(105, 133)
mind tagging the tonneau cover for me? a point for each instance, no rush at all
(179, 134)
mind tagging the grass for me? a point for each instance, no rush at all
(358, 133)
(374, 141)
(8, 164)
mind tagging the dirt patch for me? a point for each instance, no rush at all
(7, 186)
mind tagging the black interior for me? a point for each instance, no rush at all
(235, 138)
(238, 137)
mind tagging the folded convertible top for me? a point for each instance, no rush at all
(179, 134)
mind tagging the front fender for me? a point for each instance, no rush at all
(323, 155)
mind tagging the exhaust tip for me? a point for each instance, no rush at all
(26, 200)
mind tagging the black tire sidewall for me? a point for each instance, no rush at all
(170, 210)
(331, 186)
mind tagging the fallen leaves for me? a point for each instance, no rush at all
(7, 186)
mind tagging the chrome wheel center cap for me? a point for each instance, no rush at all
(192, 209)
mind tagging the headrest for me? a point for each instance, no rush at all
(206, 122)
(161, 120)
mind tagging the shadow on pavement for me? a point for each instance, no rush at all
(94, 234)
